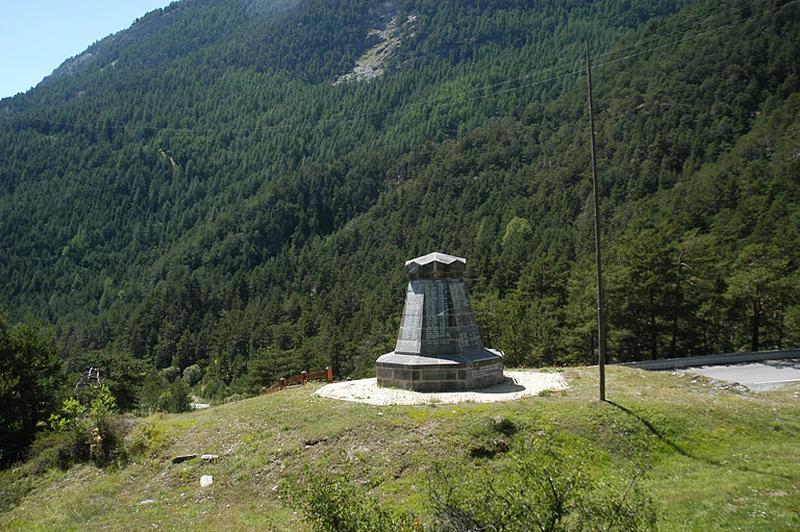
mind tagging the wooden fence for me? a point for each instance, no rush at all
(303, 378)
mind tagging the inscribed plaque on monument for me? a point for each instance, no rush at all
(468, 336)
(435, 316)
(408, 341)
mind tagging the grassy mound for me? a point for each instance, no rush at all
(711, 457)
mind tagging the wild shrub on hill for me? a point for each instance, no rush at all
(542, 489)
(539, 488)
(334, 504)
(147, 438)
(79, 433)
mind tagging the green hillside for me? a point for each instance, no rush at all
(165, 129)
(690, 125)
(205, 202)
(714, 458)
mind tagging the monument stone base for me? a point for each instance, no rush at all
(442, 373)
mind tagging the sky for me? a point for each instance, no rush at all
(38, 35)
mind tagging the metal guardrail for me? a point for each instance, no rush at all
(712, 360)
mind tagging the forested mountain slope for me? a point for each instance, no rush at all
(199, 191)
(172, 124)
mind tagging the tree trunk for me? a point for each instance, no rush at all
(756, 324)
(675, 310)
(653, 338)
(651, 323)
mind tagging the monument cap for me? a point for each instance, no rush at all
(435, 265)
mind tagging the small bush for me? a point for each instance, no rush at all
(540, 488)
(72, 413)
(504, 426)
(331, 503)
(106, 446)
(146, 439)
(543, 489)
(81, 432)
(492, 437)
(171, 373)
(56, 450)
(192, 375)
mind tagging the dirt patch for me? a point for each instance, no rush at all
(518, 384)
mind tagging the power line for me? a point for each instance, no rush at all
(579, 71)
(690, 37)
(454, 98)
(680, 29)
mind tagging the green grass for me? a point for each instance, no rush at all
(718, 459)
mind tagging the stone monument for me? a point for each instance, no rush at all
(439, 347)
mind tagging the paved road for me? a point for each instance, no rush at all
(759, 376)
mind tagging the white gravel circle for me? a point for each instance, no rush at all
(517, 384)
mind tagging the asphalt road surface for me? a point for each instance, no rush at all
(758, 376)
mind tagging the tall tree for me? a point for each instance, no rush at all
(760, 290)
(29, 382)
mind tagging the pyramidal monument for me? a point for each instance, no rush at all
(439, 347)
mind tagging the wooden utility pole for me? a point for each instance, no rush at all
(601, 318)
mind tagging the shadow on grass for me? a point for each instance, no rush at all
(688, 454)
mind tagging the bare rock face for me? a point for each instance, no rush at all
(374, 61)
(439, 347)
